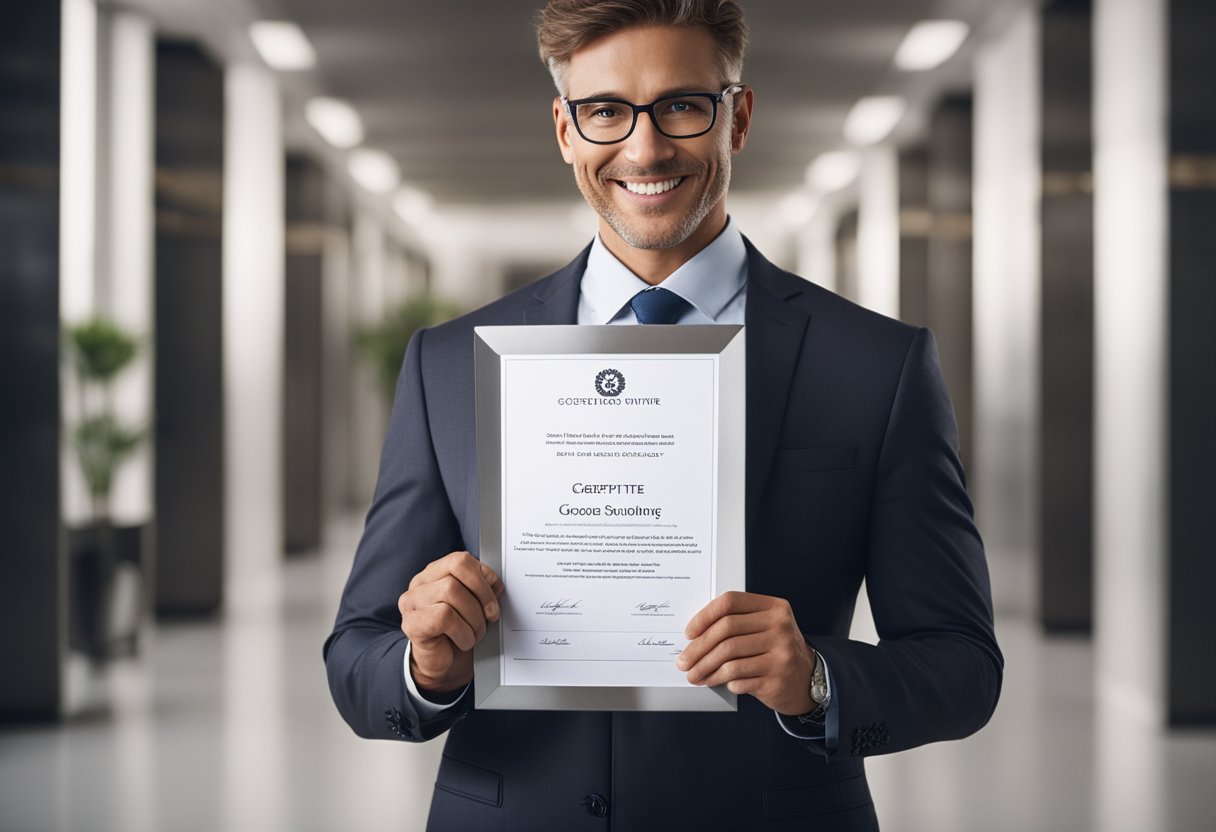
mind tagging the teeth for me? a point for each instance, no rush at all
(651, 188)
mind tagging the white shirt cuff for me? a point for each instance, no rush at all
(426, 708)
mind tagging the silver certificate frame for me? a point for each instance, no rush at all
(491, 344)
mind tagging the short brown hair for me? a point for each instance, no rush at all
(565, 26)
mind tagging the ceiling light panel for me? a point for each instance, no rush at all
(375, 170)
(873, 118)
(282, 45)
(412, 204)
(336, 120)
(832, 171)
(930, 44)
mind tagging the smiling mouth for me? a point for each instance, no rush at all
(650, 188)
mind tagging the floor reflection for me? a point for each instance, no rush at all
(228, 725)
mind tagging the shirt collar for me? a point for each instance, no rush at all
(708, 281)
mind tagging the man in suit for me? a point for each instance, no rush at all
(852, 473)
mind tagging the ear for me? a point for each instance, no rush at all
(563, 127)
(741, 121)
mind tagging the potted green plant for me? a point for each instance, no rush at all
(383, 344)
(105, 572)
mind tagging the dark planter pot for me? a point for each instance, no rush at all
(107, 588)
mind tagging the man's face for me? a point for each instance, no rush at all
(640, 65)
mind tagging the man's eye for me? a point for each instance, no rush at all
(601, 111)
(685, 107)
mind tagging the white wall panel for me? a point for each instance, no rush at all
(77, 216)
(127, 222)
(1130, 322)
(878, 231)
(1007, 175)
(253, 310)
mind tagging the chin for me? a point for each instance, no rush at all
(660, 230)
(651, 240)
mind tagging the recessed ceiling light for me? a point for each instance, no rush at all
(375, 170)
(930, 43)
(832, 171)
(873, 118)
(336, 121)
(412, 204)
(282, 45)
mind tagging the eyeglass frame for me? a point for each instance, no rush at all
(715, 97)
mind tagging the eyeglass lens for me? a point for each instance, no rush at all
(680, 117)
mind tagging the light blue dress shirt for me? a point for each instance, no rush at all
(713, 282)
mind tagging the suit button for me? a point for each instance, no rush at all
(595, 805)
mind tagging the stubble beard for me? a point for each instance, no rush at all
(634, 230)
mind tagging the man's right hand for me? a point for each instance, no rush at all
(444, 613)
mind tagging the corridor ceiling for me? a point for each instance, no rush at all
(456, 93)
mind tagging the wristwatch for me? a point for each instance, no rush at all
(819, 683)
(820, 693)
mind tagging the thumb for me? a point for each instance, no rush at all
(492, 579)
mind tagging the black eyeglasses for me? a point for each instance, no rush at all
(684, 115)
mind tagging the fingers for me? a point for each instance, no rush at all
(477, 577)
(452, 593)
(491, 578)
(472, 573)
(453, 597)
(755, 667)
(719, 631)
(751, 644)
(729, 659)
(435, 620)
(765, 665)
(728, 603)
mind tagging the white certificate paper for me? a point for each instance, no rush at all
(610, 488)
(609, 512)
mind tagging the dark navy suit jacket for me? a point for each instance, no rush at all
(852, 472)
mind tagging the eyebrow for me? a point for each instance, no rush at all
(615, 95)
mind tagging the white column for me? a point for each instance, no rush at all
(369, 409)
(1131, 359)
(1006, 303)
(78, 160)
(336, 358)
(77, 217)
(878, 231)
(253, 310)
(127, 224)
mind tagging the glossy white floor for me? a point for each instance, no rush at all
(229, 727)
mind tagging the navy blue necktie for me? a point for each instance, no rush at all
(658, 306)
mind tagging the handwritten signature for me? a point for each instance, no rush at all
(655, 642)
(562, 604)
(556, 642)
(649, 607)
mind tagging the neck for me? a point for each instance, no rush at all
(656, 265)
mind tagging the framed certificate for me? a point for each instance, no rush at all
(611, 479)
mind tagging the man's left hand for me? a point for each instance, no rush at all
(751, 643)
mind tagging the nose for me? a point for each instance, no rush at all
(646, 146)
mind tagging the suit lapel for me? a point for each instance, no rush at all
(775, 330)
(555, 300)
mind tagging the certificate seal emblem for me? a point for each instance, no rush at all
(609, 383)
